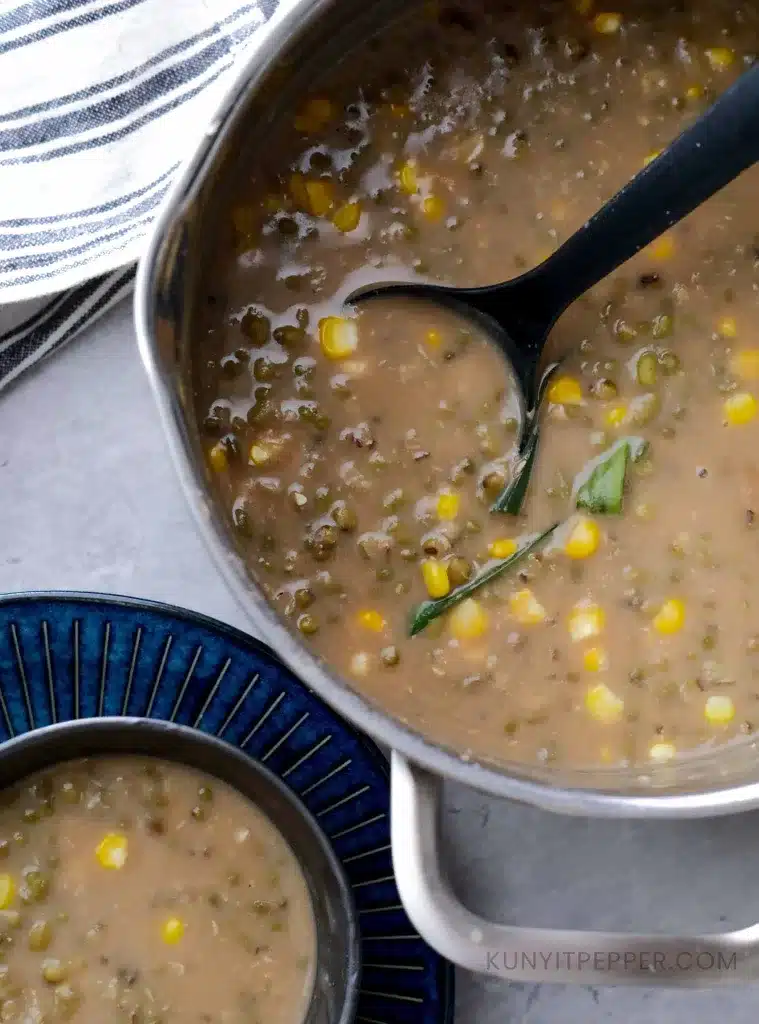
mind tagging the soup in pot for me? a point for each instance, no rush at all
(359, 451)
(141, 892)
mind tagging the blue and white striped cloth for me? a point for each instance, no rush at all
(100, 101)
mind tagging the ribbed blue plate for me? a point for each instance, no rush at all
(66, 656)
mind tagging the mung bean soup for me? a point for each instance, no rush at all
(359, 452)
(141, 892)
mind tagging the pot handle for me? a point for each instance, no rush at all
(539, 954)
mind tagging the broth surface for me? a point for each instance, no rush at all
(141, 892)
(358, 452)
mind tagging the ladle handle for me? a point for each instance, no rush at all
(718, 147)
(539, 954)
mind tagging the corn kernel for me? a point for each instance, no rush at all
(298, 190)
(435, 575)
(338, 337)
(603, 704)
(347, 217)
(746, 363)
(7, 891)
(433, 207)
(661, 752)
(651, 157)
(595, 659)
(583, 6)
(260, 455)
(360, 664)
(504, 547)
(434, 339)
(663, 248)
(399, 110)
(739, 408)
(694, 92)
(172, 930)
(720, 58)
(727, 327)
(584, 538)
(586, 620)
(320, 197)
(565, 391)
(671, 617)
(447, 506)
(468, 620)
(607, 24)
(112, 850)
(217, 458)
(615, 415)
(719, 710)
(372, 620)
(526, 608)
(407, 178)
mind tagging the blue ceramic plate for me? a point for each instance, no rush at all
(66, 656)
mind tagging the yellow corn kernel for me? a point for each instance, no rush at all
(320, 197)
(398, 110)
(298, 190)
(595, 659)
(671, 617)
(407, 178)
(565, 391)
(727, 327)
(583, 6)
(603, 704)
(739, 408)
(434, 339)
(586, 620)
(338, 337)
(172, 930)
(661, 752)
(7, 891)
(584, 538)
(433, 207)
(663, 248)
(615, 415)
(314, 115)
(371, 619)
(217, 458)
(435, 575)
(504, 547)
(260, 454)
(720, 58)
(112, 850)
(651, 157)
(526, 608)
(746, 363)
(346, 217)
(607, 24)
(447, 506)
(468, 620)
(694, 92)
(719, 710)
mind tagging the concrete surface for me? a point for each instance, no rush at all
(90, 501)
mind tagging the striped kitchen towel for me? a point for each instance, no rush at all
(100, 101)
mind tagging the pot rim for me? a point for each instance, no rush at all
(275, 39)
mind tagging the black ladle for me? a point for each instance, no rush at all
(518, 315)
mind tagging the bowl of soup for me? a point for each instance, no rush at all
(152, 873)
(596, 652)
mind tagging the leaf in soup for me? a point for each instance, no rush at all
(600, 487)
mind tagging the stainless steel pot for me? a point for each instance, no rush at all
(294, 47)
(337, 970)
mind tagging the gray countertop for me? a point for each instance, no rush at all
(90, 502)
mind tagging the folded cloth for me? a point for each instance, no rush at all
(100, 101)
